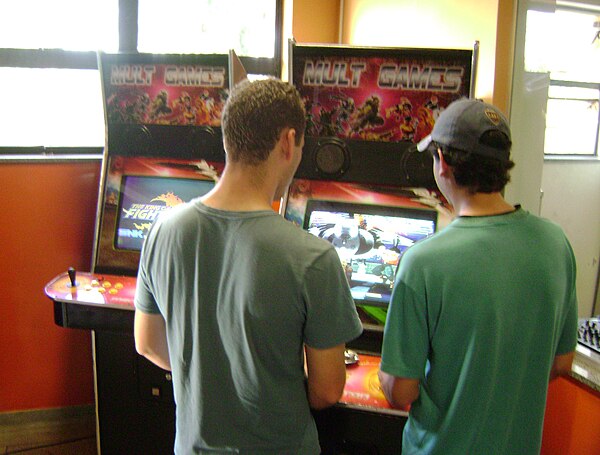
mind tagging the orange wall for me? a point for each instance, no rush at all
(316, 21)
(571, 425)
(48, 215)
(445, 24)
(505, 42)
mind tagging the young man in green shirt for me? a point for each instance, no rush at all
(484, 313)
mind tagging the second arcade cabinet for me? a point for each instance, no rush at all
(362, 186)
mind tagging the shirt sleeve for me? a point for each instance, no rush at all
(406, 335)
(331, 317)
(144, 299)
(568, 339)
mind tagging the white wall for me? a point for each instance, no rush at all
(572, 199)
(443, 24)
(566, 192)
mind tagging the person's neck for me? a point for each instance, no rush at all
(481, 204)
(242, 188)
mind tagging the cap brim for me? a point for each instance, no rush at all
(424, 143)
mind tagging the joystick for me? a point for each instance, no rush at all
(72, 274)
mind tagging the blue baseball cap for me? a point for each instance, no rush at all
(462, 124)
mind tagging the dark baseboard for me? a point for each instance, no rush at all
(24, 430)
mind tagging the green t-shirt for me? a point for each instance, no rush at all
(241, 292)
(478, 313)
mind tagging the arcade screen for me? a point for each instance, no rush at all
(143, 198)
(369, 239)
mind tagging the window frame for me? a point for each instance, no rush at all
(578, 7)
(595, 155)
(88, 60)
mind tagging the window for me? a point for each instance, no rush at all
(572, 119)
(51, 108)
(566, 44)
(206, 27)
(210, 27)
(52, 95)
(51, 89)
(60, 24)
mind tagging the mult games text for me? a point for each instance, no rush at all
(391, 76)
(174, 75)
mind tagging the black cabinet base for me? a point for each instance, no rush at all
(136, 411)
(346, 431)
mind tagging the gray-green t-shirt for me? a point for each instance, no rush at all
(241, 292)
(478, 313)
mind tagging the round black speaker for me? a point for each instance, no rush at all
(137, 138)
(201, 137)
(331, 157)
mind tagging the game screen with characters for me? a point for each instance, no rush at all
(135, 192)
(144, 198)
(369, 240)
(370, 227)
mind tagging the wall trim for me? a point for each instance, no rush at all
(23, 430)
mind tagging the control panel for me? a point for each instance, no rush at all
(108, 291)
(588, 333)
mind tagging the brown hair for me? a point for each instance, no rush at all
(479, 173)
(254, 116)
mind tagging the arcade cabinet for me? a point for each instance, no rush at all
(359, 185)
(362, 186)
(163, 147)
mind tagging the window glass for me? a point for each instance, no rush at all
(571, 125)
(207, 27)
(51, 108)
(60, 24)
(566, 45)
(58, 107)
(563, 43)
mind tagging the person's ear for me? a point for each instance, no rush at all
(288, 139)
(445, 169)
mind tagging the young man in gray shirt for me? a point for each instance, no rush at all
(235, 300)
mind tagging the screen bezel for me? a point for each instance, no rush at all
(108, 259)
